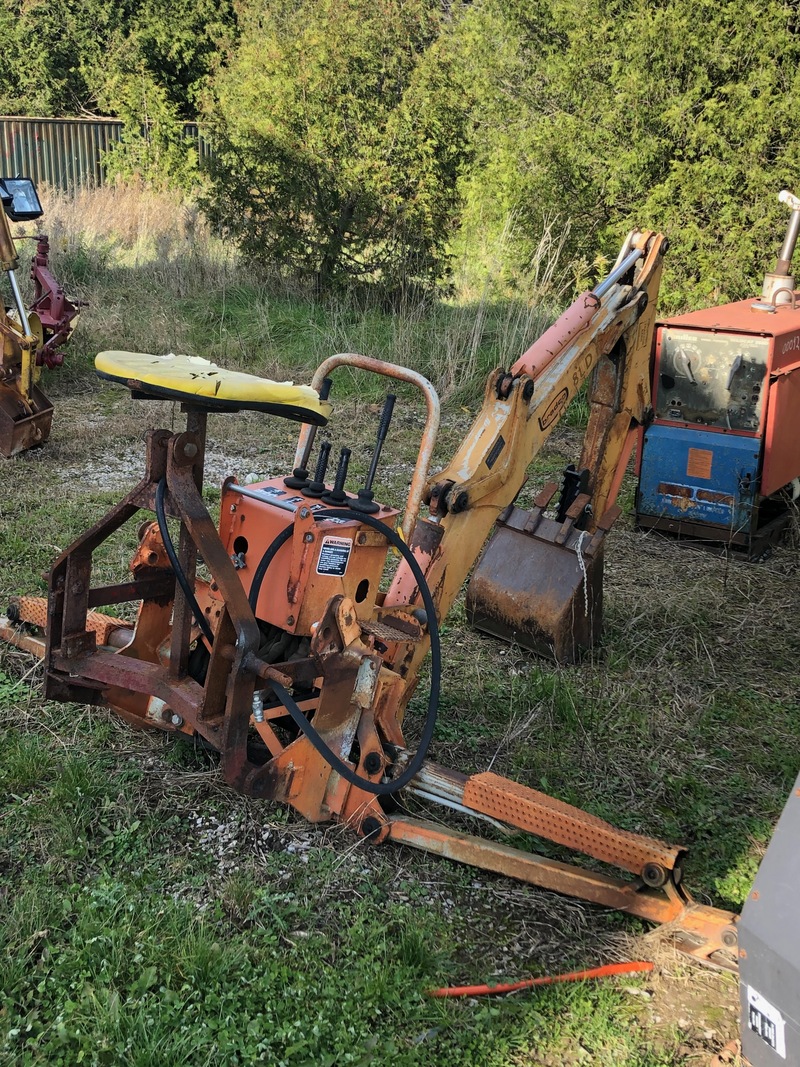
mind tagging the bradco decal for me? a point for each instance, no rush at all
(554, 409)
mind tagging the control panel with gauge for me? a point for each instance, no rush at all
(712, 379)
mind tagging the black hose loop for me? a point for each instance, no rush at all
(183, 581)
(297, 716)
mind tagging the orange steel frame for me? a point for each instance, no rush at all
(361, 665)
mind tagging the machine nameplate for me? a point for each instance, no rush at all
(334, 555)
(765, 1020)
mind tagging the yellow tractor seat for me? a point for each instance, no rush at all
(196, 381)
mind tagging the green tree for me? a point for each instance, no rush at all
(70, 57)
(674, 115)
(339, 138)
(175, 43)
(152, 146)
(147, 63)
(52, 54)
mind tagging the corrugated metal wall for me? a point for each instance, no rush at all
(66, 152)
(191, 132)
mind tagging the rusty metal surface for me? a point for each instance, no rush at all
(557, 821)
(389, 629)
(741, 317)
(390, 370)
(707, 934)
(752, 543)
(545, 596)
(22, 425)
(14, 635)
(150, 552)
(111, 669)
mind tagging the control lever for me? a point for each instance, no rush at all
(365, 502)
(298, 479)
(337, 495)
(317, 486)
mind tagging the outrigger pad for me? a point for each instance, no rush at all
(197, 381)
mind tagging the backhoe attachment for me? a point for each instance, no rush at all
(29, 339)
(539, 581)
(296, 654)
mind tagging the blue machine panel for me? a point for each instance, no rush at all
(694, 475)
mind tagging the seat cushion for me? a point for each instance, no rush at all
(203, 384)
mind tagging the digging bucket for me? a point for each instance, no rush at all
(23, 424)
(539, 582)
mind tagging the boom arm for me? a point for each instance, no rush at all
(29, 338)
(521, 409)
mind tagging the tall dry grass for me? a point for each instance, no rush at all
(156, 278)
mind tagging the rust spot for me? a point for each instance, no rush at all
(713, 497)
(23, 425)
(426, 537)
(668, 489)
(699, 463)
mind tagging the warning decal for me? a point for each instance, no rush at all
(765, 1020)
(333, 556)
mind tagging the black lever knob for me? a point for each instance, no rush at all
(317, 486)
(337, 495)
(298, 479)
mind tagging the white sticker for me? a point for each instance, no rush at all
(765, 1020)
(334, 554)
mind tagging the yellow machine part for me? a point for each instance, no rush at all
(182, 377)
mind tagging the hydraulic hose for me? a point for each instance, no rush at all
(263, 565)
(283, 695)
(183, 581)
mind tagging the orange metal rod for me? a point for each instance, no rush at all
(574, 976)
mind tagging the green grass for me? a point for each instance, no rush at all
(130, 935)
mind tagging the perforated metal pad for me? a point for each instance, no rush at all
(557, 821)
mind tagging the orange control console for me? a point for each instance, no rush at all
(320, 559)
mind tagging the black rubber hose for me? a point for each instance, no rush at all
(346, 772)
(264, 562)
(183, 581)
